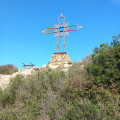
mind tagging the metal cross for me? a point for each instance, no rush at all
(61, 30)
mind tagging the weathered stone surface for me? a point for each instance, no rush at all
(62, 61)
(5, 79)
(57, 61)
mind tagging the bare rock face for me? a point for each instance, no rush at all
(5, 79)
(62, 61)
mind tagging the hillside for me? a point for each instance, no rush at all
(5, 79)
(89, 90)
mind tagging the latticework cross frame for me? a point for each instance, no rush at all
(61, 30)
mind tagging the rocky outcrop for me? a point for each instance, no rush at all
(60, 61)
(57, 61)
(5, 79)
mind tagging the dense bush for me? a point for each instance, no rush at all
(84, 110)
(8, 69)
(105, 67)
(34, 97)
(99, 82)
(89, 91)
(79, 89)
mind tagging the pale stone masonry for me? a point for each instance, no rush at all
(60, 61)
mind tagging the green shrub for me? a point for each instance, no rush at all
(105, 67)
(78, 89)
(9, 94)
(89, 91)
(84, 110)
(34, 97)
(99, 82)
(8, 69)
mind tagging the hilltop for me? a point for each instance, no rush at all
(5, 79)
(89, 90)
(57, 61)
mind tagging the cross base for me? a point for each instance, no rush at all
(60, 61)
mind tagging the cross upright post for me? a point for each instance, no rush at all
(61, 30)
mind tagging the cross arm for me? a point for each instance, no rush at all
(73, 28)
(50, 30)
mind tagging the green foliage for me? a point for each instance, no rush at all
(84, 110)
(9, 95)
(99, 82)
(8, 69)
(89, 91)
(33, 97)
(105, 67)
(79, 89)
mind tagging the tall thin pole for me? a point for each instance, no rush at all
(64, 44)
(57, 47)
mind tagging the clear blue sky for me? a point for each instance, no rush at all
(22, 22)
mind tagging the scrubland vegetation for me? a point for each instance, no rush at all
(89, 91)
(8, 69)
